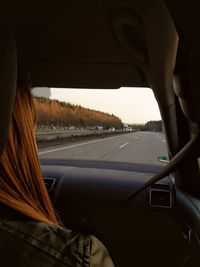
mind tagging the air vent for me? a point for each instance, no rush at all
(49, 183)
(160, 198)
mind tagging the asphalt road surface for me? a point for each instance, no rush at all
(138, 147)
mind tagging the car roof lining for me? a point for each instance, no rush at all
(88, 45)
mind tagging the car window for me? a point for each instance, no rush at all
(120, 125)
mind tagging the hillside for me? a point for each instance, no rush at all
(54, 113)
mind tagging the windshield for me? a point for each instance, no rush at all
(119, 125)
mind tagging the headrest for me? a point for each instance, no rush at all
(8, 77)
(187, 78)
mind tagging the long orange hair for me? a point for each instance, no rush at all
(21, 182)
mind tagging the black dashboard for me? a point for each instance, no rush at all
(102, 183)
(87, 196)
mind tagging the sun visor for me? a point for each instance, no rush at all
(8, 74)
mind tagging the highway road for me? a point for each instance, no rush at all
(137, 147)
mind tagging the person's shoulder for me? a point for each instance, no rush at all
(70, 247)
(63, 244)
(99, 256)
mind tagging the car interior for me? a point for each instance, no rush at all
(144, 214)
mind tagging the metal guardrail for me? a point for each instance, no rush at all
(70, 134)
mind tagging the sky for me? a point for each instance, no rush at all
(131, 105)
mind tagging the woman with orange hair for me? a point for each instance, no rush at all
(30, 232)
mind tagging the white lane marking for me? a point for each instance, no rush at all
(161, 138)
(123, 145)
(81, 144)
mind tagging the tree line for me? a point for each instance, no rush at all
(52, 113)
(153, 126)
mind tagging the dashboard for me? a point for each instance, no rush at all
(88, 196)
(99, 183)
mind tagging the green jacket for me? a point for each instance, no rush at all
(31, 243)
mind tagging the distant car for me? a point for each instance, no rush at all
(111, 129)
(72, 128)
(99, 128)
